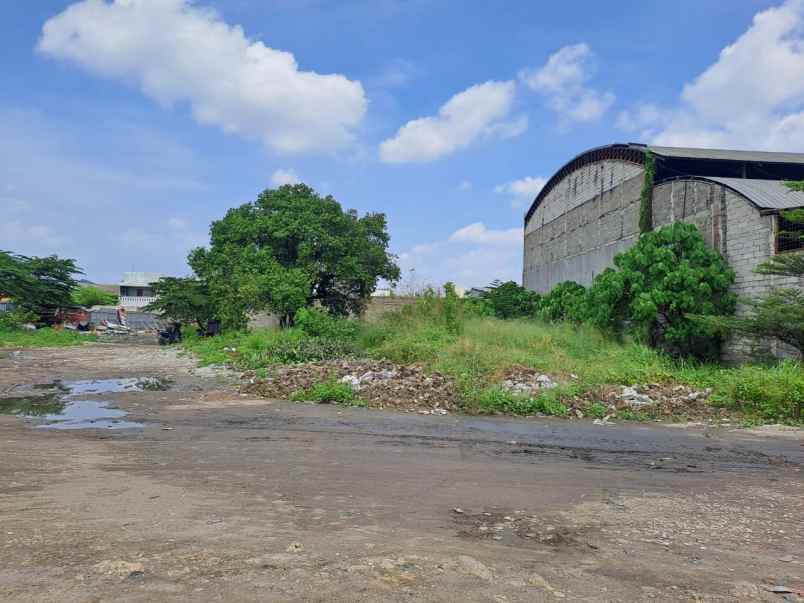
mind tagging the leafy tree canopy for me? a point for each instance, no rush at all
(289, 249)
(510, 300)
(38, 285)
(88, 296)
(184, 299)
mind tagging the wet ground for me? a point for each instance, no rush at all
(198, 493)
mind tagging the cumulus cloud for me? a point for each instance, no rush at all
(481, 110)
(474, 255)
(523, 190)
(282, 176)
(563, 81)
(176, 52)
(751, 97)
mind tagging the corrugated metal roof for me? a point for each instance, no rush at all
(725, 154)
(766, 194)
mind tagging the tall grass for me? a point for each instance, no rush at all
(41, 338)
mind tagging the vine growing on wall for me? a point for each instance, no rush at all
(646, 196)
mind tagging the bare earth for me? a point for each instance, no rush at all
(222, 497)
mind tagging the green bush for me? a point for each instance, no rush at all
(88, 296)
(317, 322)
(496, 399)
(330, 391)
(10, 321)
(509, 300)
(565, 301)
(668, 275)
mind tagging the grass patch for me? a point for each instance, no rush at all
(330, 391)
(478, 355)
(41, 338)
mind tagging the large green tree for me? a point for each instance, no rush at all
(658, 283)
(291, 248)
(184, 299)
(40, 285)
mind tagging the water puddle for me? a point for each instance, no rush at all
(53, 405)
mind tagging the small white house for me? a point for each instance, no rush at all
(136, 290)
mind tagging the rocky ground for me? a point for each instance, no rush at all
(225, 496)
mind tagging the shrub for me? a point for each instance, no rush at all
(452, 309)
(317, 322)
(10, 321)
(330, 391)
(509, 300)
(88, 296)
(565, 301)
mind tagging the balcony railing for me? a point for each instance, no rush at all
(136, 302)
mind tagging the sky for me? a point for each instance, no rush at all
(128, 126)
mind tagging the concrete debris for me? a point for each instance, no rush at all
(380, 383)
(634, 399)
(527, 382)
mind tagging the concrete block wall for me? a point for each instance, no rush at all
(582, 242)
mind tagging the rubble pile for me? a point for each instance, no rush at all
(657, 400)
(525, 381)
(382, 384)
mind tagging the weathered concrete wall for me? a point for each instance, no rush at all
(581, 242)
(582, 185)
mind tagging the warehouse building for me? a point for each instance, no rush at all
(589, 210)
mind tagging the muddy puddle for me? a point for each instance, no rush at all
(55, 405)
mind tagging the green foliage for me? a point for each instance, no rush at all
(646, 195)
(774, 393)
(607, 302)
(88, 296)
(184, 299)
(565, 301)
(597, 410)
(290, 249)
(668, 275)
(39, 285)
(509, 300)
(41, 338)
(10, 321)
(495, 399)
(453, 315)
(316, 322)
(778, 314)
(330, 391)
(796, 185)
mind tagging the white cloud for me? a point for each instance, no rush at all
(465, 185)
(478, 233)
(281, 177)
(176, 51)
(523, 190)
(474, 255)
(563, 81)
(751, 97)
(481, 110)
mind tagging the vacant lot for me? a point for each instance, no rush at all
(222, 497)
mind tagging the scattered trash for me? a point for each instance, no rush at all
(295, 547)
(786, 559)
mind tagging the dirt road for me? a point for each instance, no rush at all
(221, 497)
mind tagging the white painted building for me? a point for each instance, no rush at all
(136, 290)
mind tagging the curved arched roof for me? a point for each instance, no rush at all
(676, 162)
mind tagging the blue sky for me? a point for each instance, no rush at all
(126, 127)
